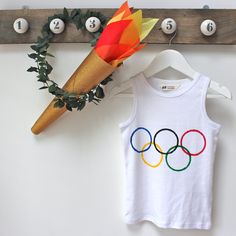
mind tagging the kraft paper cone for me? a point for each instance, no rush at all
(89, 74)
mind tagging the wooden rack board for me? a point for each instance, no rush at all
(188, 23)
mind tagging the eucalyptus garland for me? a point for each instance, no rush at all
(43, 68)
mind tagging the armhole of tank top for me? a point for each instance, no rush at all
(134, 106)
(203, 105)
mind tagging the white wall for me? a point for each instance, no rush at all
(70, 180)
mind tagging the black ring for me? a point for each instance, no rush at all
(172, 131)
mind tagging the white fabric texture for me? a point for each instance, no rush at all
(169, 183)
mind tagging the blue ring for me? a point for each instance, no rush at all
(131, 139)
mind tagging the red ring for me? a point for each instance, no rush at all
(197, 131)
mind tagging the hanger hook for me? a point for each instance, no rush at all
(175, 33)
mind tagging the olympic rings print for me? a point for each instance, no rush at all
(150, 142)
(196, 131)
(146, 162)
(172, 131)
(171, 150)
(174, 148)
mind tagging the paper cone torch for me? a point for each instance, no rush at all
(120, 39)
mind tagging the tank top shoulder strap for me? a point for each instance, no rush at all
(138, 91)
(204, 84)
(199, 90)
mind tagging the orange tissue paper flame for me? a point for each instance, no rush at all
(123, 35)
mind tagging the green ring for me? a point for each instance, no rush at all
(175, 147)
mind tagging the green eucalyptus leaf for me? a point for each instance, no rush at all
(50, 18)
(35, 48)
(43, 44)
(44, 87)
(49, 54)
(46, 27)
(52, 88)
(42, 70)
(74, 13)
(42, 78)
(65, 13)
(73, 104)
(39, 39)
(99, 92)
(93, 42)
(59, 92)
(83, 103)
(59, 104)
(33, 69)
(105, 81)
(40, 59)
(60, 16)
(33, 55)
(96, 99)
(68, 107)
(72, 99)
(90, 96)
(49, 68)
(44, 48)
(42, 63)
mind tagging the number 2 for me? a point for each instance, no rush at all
(56, 25)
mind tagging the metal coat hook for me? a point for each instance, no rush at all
(25, 7)
(206, 7)
(170, 42)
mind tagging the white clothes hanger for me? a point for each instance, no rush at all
(171, 59)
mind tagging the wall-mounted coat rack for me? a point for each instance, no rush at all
(188, 26)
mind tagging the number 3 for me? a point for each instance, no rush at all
(92, 24)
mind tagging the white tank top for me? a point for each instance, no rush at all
(169, 144)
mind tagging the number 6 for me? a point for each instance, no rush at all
(208, 27)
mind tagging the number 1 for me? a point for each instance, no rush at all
(19, 24)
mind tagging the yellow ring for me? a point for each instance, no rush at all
(142, 155)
